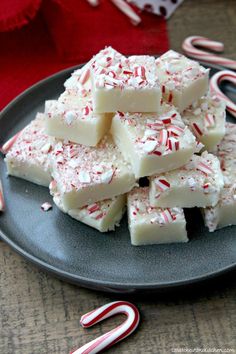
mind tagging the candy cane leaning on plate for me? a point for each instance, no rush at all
(224, 75)
(6, 147)
(115, 335)
(188, 47)
(2, 202)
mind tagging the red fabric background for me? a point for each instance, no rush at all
(58, 38)
(83, 30)
(17, 13)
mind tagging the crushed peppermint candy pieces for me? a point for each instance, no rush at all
(148, 140)
(46, 206)
(120, 119)
(8, 145)
(177, 75)
(162, 184)
(28, 153)
(206, 119)
(201, 176)
(153, 225)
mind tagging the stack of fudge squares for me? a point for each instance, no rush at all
(123, 118)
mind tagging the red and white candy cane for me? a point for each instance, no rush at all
(115, 335)
(124, 7)
(6, 147)
(127, 10)
(224, 75)
(2, 202)
(189, 48)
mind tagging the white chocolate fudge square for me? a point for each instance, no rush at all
(206, 119)
(153, 143)
(124, 84)
(224, 213)
(85, 175)
(72, 118)
(28, 157)
(80, 81)
(182, 80)
(226, 149)
(149, 225)
(196, 184)
(103, 215)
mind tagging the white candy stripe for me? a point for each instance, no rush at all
(224, 75)
(117, 334)
(2, 202)
(46, 206)
(93, 2)
(167, 216)
(156, 125)
(6, 147)
(85, 76)
(92, 208)
(139, 71)
(162, 184)
(191, 51)
(175, 130)
(199, 146)
(163, 138)
(204, 168)
(127, 10)
(173, 144)
(209, 120)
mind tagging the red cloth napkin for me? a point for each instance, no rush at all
(60, 37)
(17, 13)
(26, 56)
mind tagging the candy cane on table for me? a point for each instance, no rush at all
(224, 75)
(127, 10)
(188, 47)
(115, 335)
(6, 147)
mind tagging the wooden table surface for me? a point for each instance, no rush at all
(40, 314)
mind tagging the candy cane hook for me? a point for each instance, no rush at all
(224, 75)
(189, 44)
(115, 335)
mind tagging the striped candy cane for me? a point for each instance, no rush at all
(189, 44)
(115, 335)
(127, 10)
(224, 75)
(2, 202)
(6, 147)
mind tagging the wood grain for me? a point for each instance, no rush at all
(215, 19)
(40, 314)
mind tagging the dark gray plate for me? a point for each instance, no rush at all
(79, 254)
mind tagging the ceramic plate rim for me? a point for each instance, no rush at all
(89, 282)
